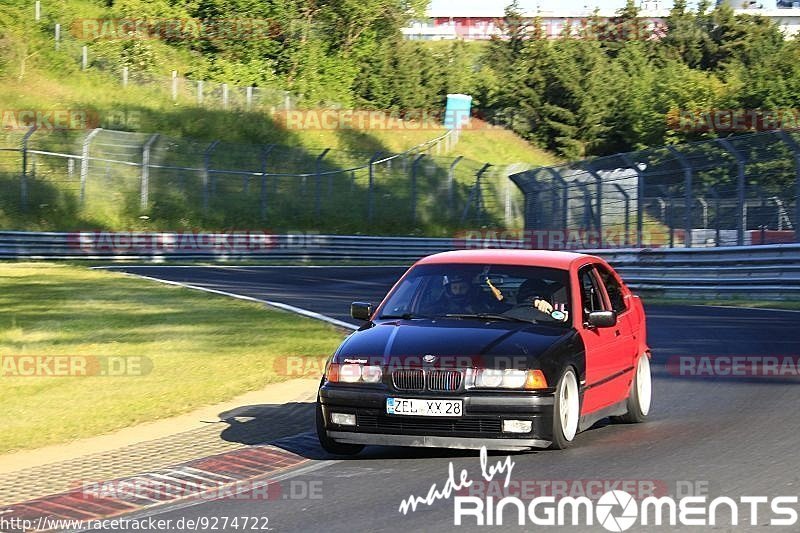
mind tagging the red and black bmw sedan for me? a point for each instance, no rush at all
(508, 349)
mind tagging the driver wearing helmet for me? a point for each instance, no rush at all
(456, 297)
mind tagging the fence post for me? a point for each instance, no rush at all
(85, 161)
(639, 197)
(507, 207)
(667, 213)
(37, 11)
(627, 210)
(263, 201)
(598, 184)
(174, 85)
(23, 180)
(525, 181)
(371, 186)
(587, 204)
(225, 95)
(58, 36)
(702, 201)
(144, 192)
(318, 182)
(249, 97)
(475, 195)
(564, 199)
(199, 92)
(795, 147)
(414, 167)
(205, 173)
(717, 204)
(84, 57)
(124, 76)
(740, 188)
(687, 198)
(451, 176)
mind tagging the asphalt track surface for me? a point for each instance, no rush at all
(728, 436)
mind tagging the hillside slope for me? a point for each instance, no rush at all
(36, 77)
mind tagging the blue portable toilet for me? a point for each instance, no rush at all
(456, 112)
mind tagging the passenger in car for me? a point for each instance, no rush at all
(544, 296)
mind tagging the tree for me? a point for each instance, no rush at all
(576, 98)
(684, 37)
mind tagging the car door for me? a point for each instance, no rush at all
(605, 375)
(619, 300)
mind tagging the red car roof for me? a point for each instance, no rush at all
(542, 258)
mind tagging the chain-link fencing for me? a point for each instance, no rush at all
(736, 191)
(125, 180)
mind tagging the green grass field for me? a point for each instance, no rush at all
(204, 349)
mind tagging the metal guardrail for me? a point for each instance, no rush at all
(756, 272)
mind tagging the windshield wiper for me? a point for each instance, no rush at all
(489, 316)
(405, 316)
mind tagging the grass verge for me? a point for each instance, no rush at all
(203, 348)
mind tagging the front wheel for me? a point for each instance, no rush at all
(566, 410)
(330, 445)
(641, 395)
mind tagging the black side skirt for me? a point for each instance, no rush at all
(617, 409)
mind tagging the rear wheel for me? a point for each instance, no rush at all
(330, 445)
(566, 410)
(641, 395)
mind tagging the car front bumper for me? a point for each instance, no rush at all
(480, 425)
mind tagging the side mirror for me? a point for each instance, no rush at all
(603, 319)
(361, 310)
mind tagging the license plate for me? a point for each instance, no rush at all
(422, 407)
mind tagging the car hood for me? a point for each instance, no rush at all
(406, 342)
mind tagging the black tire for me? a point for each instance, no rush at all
(636, 414)
(330, 445)
(563, 436)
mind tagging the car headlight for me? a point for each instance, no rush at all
(491, 378)
(371, 374)
(350, 373)
(353, 373)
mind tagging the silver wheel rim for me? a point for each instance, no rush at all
(644, 384)
(569, 405)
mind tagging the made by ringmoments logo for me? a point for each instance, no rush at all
(614, 510)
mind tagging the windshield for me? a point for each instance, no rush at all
(487, 292)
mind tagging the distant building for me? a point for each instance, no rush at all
(483, 22)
